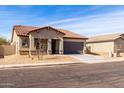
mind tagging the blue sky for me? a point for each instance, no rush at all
(83, 19)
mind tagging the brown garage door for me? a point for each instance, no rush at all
(73, 47)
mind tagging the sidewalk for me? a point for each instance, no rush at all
(117, 59)
(104, 61)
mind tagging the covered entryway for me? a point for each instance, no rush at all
(71, 47)
(55, 46)
(51, 40)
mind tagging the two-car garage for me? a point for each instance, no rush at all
(73, 46)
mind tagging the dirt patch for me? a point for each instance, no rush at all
(23, 59)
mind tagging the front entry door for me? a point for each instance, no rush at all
(55, 46)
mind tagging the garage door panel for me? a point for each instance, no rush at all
(73, 47)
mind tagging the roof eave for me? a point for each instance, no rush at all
(75, 38)
(23, 35)
(100, 41)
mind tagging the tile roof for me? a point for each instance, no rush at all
(70, 34)
(24, 30)
(101, 38)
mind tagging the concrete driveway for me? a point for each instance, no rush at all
(87, 58)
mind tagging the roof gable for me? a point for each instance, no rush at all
(46, 27)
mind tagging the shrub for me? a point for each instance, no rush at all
(3, 41)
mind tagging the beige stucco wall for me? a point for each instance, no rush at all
(101, 47)
(15, 38)
(119, 44)
(44, 34)
(15, 41)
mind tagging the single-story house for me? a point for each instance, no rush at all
(29, 39)
(106, 43)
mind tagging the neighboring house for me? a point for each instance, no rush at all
(106, 43)
(53, 41)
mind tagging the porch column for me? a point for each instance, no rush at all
(49, 47)
(84, 48)
(19, 45)
(17, 50)
(31, 44)
(61, 46)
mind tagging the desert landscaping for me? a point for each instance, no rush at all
(25, 59)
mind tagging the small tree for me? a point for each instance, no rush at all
(3, 41)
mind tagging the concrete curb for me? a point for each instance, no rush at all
(37, 64)
(57, 63)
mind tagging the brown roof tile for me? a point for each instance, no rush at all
(24, 30)
(70, 34)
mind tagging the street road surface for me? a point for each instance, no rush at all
(65, 76)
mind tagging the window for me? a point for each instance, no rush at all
(36, 43)
(25, 42)
(40, 43)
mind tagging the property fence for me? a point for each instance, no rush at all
(6, 50)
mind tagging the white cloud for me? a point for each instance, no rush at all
(77, 18)
(86, 25)
(10, 18)
(95, 24)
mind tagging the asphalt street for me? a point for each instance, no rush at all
(104, 75)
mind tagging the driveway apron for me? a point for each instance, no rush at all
(87, 58)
